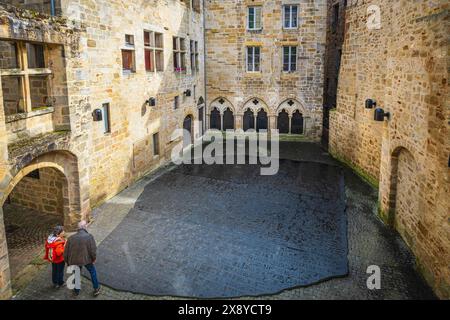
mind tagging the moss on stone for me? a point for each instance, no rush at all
(359, 171)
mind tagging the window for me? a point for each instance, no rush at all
(128, 60)
(335, 18)
(35, 55)
(154, 51)
(179, 54)
(106, 118)
(254, 18)
(129, 39)
(176, 102)
(128, 57)
(156, 144)
(194, 56)
(253, 59)
(25, 81)
(290, 16)
(289, 59)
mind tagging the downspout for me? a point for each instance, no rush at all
(52, 8)
(204, 66)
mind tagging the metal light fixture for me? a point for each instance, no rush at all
(97, 115)
(380, 115)
(151, 102)
(370, 103)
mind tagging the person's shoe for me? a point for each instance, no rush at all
(97, 292)
(75, 293)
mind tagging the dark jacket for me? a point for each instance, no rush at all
(80, 249)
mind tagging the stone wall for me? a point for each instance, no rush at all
(227, 77)
(403, 66)
(45, 194)
(114, 156)
(335, 38)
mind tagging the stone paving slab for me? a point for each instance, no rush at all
(225, 231)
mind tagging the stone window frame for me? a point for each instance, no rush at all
(253, 69)
(290, 58)
(290, 14)
(179, 54)
(260, 9)
(154, 47)
(24, 73)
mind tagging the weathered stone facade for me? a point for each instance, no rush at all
(83, 62)
(230, 85)
(403, 65)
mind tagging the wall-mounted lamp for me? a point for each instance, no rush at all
(151, 102)
(187, 93)
(97, 115)
(380, 115)
(370, 103)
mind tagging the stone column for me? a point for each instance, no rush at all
(221, 121)
(272, 122)
(290, 124)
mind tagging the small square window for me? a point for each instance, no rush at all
(129, 39)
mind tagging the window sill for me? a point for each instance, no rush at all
(26, 115)
(253, 73)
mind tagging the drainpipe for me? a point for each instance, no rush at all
(52, 8)
(204, 66)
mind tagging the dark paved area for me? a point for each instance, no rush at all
(370, 242)
(226, 231)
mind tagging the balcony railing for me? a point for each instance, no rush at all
(49, 7)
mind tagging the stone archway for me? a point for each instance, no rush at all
(63, 167)
(249, 120)
(404, 193)
(297, 123)
(262, 120)
(228, 119)
(215, 119)
(283, 122)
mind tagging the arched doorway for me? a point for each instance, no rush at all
(187, 133)
(297, 123)
(262, 120)
(404, 194)
(283, 122)
(249, 120)
(215, 121)
(228, 119)
(36, 204)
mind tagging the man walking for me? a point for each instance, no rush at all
(81, 250)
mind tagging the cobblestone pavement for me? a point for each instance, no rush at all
(26, 232)
(370, 243)
(226, 231)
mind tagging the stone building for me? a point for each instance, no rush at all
(91, 93)
(264, 65)
(396, 54)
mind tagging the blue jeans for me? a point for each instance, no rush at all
(91, 268)
(58, 273)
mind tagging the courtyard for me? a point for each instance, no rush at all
(197, 231)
